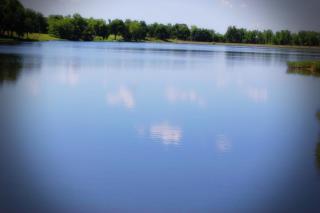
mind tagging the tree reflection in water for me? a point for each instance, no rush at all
(10, 67)
(318, 154)
(318, 145)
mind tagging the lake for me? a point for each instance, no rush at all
(142, 127)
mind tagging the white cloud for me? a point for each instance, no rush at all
(227, 3)
(243, 5)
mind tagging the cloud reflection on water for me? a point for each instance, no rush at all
(167, 133)
(69, 77)
(258, 95)
(33, 87)
(123, 97)
(223, 144)
(255, 94)
(174, 95)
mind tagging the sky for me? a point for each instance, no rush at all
(293, 15)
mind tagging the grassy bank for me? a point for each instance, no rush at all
(39, 37)
(8, 41)
(29, 37)
(304, 67)
(111, 38)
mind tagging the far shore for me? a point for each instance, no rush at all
(37, 37)
(234, 44)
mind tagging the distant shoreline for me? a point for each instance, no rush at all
(36, 37)
(237, 44)
(19, 22)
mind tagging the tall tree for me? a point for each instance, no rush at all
(117, 27)
(162, 32)
(282, 37)
(199, 34)
(267, 36)
(181, 31)
(12, 17)
(135, 30)
(235, 35)
(30, 21)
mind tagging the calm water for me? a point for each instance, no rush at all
(133, 127)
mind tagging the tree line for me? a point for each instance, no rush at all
(15, 20)
(283, 37)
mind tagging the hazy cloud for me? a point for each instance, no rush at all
(227, 3)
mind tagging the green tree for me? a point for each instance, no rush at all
(2, 16)
(42, 23)
(295, 39)
(282, 37)
(151, 29)
(12, 17)
(308, 38)
(30, 21)
(250, 37)
(117, 27)
(198, 34)
(162, 32)
(15, 20)
(181, 31)
(218, 37)
(61, 27)
(80, 28)
(235, 35)
(136, 30)
(72, 28)
(253, 37)
(267, 36)
(104, 31)
(53, 25)
(98, 27)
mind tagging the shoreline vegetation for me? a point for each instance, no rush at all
(18, 23)
(39, 37)
(305, 68)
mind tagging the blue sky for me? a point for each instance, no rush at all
(214, 14)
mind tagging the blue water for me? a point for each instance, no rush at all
(138, 127)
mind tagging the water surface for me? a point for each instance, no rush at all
(140, 127)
